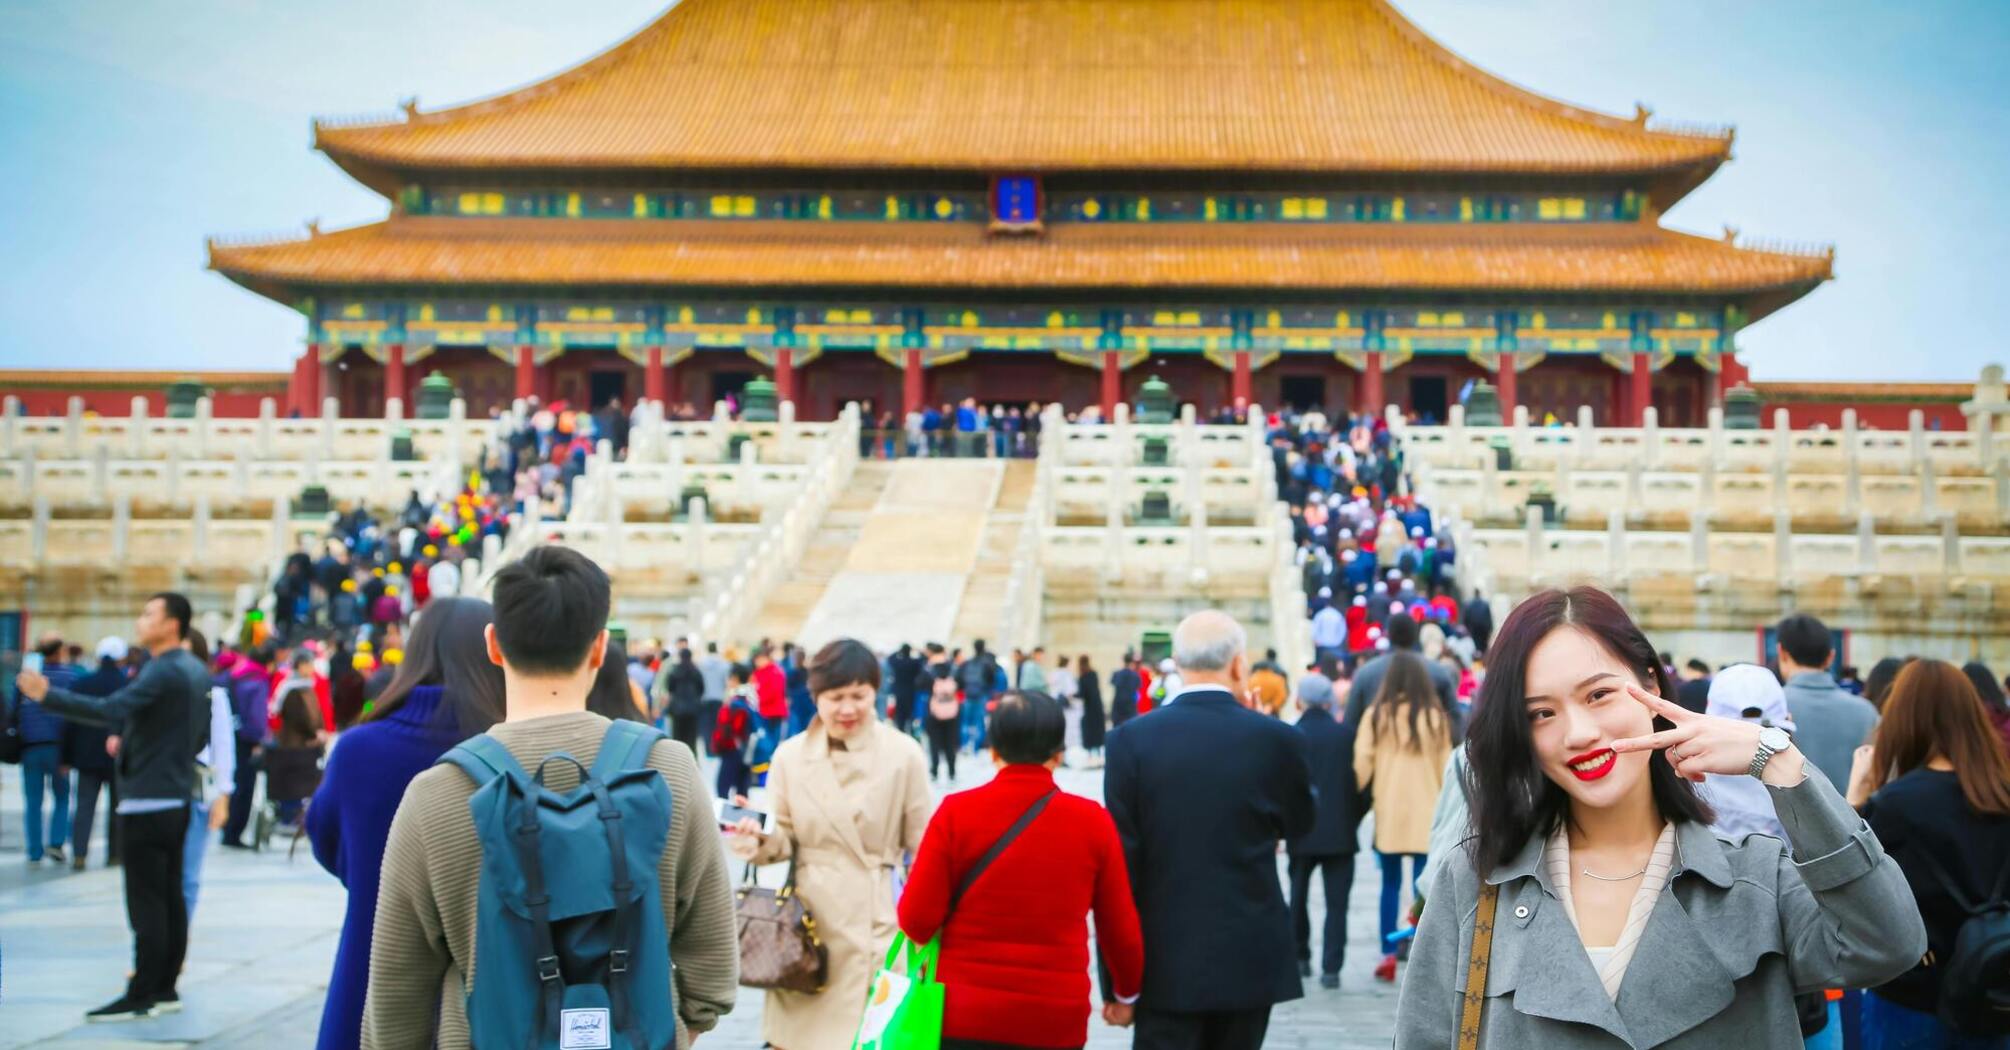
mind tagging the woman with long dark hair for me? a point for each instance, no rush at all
(1605, 912)
(1095, 725)
(1990, 691)
(445, 691)
(1877, 685)
(1935, 785)
(1400, 750)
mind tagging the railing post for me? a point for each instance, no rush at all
(1950, 546)
(10, 412)
(394, 409)
(28, 474)
(1455, 430)
(122, 526)
(1518, 434)
(1121, 422)
(1915, 426)
(174, 468)
(203, 411)
(1929, 490)
(1866, 544)
(280, 522)
(38, 531)
(699, 516)
(1852, 465)
(1615, 548)
(331, 414)
(73, 428)
(101, 473)
(136, 429)
(1584, 440)
(267, 412)
(1699, 541)
(1650, 436)
(199, 529)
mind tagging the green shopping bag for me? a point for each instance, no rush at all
(903, 1011)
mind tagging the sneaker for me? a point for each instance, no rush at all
(124, 1008)
(1329, 980)
(1386, 969)
(167, 1004)
(56, 855)
(77, 863)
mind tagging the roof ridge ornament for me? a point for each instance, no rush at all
(1641, 112)
(1730, 235)
(411, 107)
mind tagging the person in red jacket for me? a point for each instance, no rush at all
(1015, 955)
(771, 690)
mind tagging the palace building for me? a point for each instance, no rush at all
(917, 201)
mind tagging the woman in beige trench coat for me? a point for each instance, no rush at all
(850, 797)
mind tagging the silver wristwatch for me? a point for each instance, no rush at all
(1772, 741)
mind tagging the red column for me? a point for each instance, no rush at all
(1642, 389)
(309, 401)
(1371, 385)
(1113, 385)
(394, 377)
(785, 375)
(1730, 373)
(1239, 388)
(1505, 383)
(526, 372)
(911, 394)
(652, 376)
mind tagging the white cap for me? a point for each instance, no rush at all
(1416, 530)
(1381, 645)
(113, 648)
(1166, 666)
(1360, 602)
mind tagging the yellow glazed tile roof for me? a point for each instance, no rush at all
(1026, 85)
(1562, 258)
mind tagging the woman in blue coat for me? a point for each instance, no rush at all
(445, 691)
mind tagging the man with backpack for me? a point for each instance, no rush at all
(540, 882)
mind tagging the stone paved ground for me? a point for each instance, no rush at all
(264, 937)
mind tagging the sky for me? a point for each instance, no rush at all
(131, 130)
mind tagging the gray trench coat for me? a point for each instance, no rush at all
(1740, 928)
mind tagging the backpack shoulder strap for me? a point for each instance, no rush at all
(483, 758)
(626, 746)
(1946, 880)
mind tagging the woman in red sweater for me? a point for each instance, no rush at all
(1015, 956)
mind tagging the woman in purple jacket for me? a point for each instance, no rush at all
(445, 691)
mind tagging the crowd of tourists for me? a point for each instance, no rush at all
(1832, 858)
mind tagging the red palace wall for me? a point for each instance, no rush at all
(1881, 416)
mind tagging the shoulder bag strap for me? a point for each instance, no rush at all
(984, 862)
(1476, 966)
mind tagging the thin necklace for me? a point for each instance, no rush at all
(1589, 874)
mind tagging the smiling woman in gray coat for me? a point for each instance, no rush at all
(1621, 919)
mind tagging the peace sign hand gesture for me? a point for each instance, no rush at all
(1700, 744)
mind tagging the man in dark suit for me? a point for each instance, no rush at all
(1201, 792)
(1330, 846)
(1479, 621)
(1124, 686)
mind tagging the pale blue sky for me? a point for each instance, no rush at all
(132, 129)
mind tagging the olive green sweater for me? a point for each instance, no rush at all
(422, 960)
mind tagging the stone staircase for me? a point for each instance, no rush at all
(977, 616)
(789, 607)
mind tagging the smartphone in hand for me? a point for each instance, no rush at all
(730, 816)
(31, 662)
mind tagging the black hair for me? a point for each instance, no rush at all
(612, 695)
(1987, 688)
(1807, 640)
(1027, 728)
(1512, 800)
(1698, 666)
(845, 662)
(50, 648)
(1882, 674)
(446, 648)
(550, 607)
(1402, 631)
(178, 610)
(262, 654)
(198, 646)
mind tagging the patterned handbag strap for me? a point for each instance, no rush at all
(1476, 967)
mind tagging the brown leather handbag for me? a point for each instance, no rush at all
(779, 946)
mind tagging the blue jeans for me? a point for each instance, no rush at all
(1889, 1026)
(195, 844)
(974, 719)
(1392, 889)
(38, 770)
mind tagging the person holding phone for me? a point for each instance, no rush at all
(849, 797)
(165, 717)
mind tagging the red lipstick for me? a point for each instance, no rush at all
(1593, 765)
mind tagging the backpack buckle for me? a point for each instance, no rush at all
(547, 968)
(617, 961)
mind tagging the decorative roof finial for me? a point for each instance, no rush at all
(411, 107)
(314, 226)
(1730, 234)
(1641, 111)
